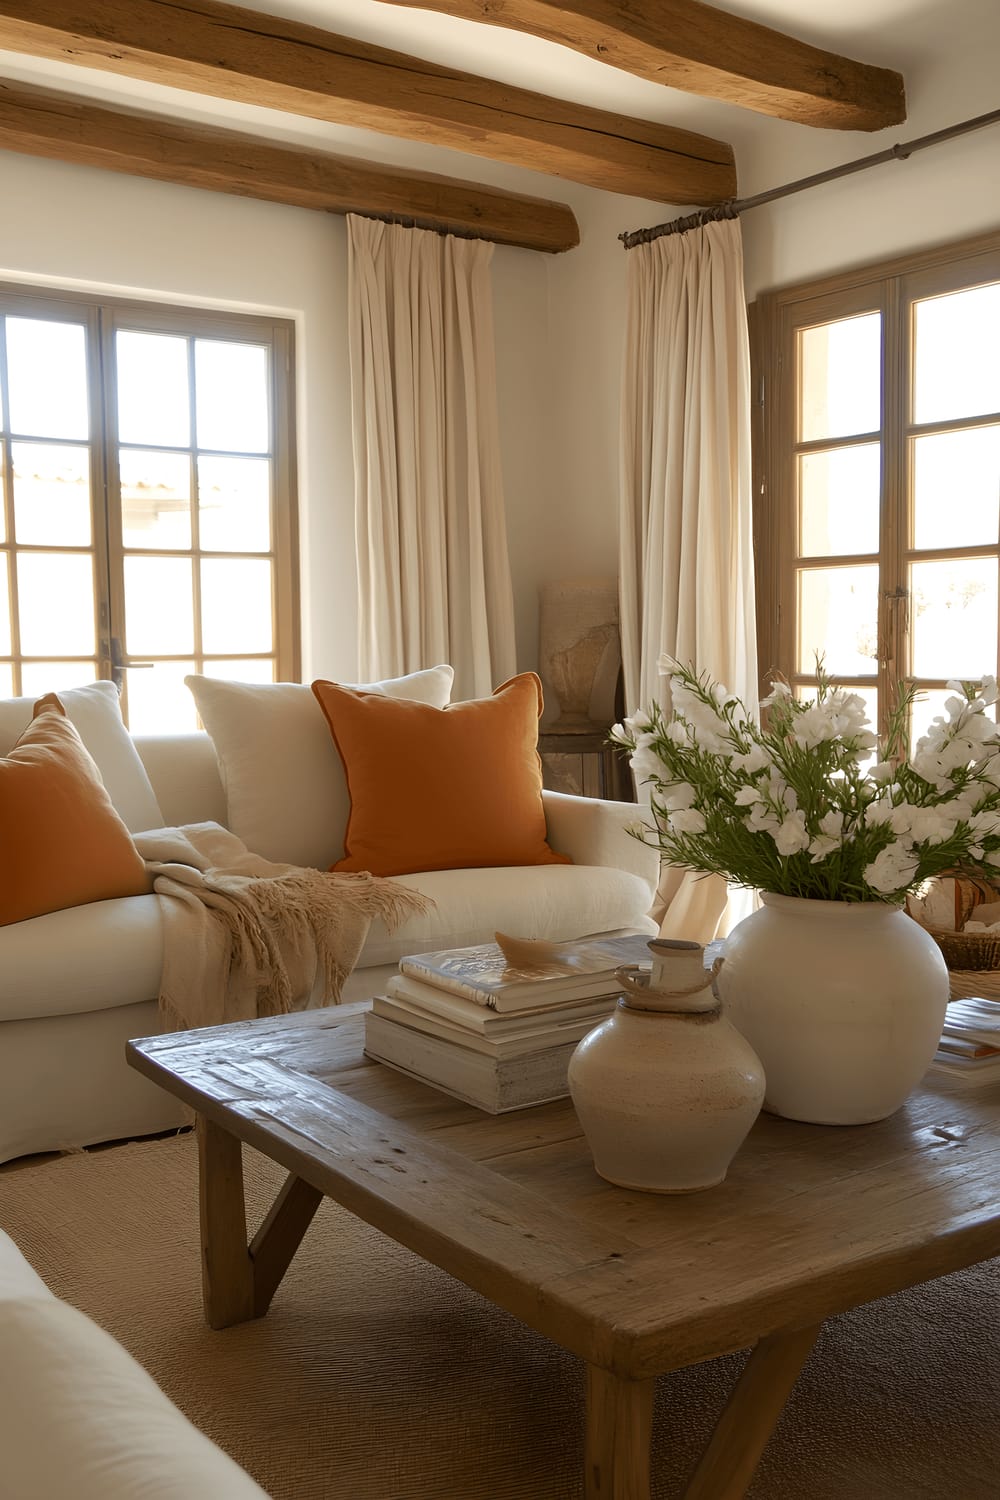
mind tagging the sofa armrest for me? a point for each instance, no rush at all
(592, 831)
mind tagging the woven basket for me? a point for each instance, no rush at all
(968, 950)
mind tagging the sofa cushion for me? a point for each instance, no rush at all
(557, 902)
(286, 795)
(448, 788)
(86, 958)
(63, 843)
(96, 713)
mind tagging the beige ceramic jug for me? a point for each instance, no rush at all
(666, 1089)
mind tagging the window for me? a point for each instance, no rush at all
(147, 528)
(877, 532)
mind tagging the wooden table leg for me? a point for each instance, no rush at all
(238, 1282)
(750, 1416)
(226, 1267)
(619, 1433)
(278, 1238)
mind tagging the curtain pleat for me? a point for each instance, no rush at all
(434, 579)
(686, 566)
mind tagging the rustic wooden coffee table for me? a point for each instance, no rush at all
(811, 1221)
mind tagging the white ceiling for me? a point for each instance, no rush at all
(915, 37)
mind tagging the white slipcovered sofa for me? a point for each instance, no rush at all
(79, 1417)
(76, 984)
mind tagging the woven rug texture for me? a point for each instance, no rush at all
(377, 1377)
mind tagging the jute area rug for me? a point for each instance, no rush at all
(376, 1377)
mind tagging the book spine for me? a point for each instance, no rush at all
(504, 1045)
(492, 1085)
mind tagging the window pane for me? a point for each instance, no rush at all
(41, 677)
(156, 499)
(6, 679)
(51, 494)
(56, 603)
(5, 643)
(956, 363)
(231, 385)
(838, 617)
(234, 504)
(47, 379)
(239, 669)
(153, 407)
(3, 492)
(236, 605)
(840, 378)
(839, 501)
(159, 606)
(157, 700)
(956, 488)
(954, 617)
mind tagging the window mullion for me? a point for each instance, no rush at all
(111, 529)
(103, 486)
(894, 528)
(8, 500)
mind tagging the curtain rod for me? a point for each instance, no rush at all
(735, 206)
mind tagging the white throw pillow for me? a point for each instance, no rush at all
(286, 791)
(96, 713)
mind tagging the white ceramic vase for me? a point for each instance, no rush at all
(666, 1089)
(843, 1002)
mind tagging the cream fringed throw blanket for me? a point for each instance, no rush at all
(244, 937)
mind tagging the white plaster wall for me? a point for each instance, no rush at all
(95, 231)
(946, 192)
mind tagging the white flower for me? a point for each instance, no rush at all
(985, 823)
(791, 835)
(644, 760)
(838, 716)
(686, 820)
(882, 771)
(681, 794)
(779, 691)
(931, 825)
(747, 796)
(631, 729)
(829, 837)
(893, 869)
(761, 819)
(755, 759)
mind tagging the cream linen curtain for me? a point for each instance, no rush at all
(433, 572)
(687, 586)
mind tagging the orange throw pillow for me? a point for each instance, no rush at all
(63, 843)
(440, 788)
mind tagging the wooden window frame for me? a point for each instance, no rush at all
(889, 287)
(103, 317)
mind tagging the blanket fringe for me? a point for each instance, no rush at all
(245, 937)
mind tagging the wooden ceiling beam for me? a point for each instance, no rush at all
(229, 52)
(691, 46)
(41, 122)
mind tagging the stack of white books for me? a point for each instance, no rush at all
(969, 1049)
(498, 1035)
